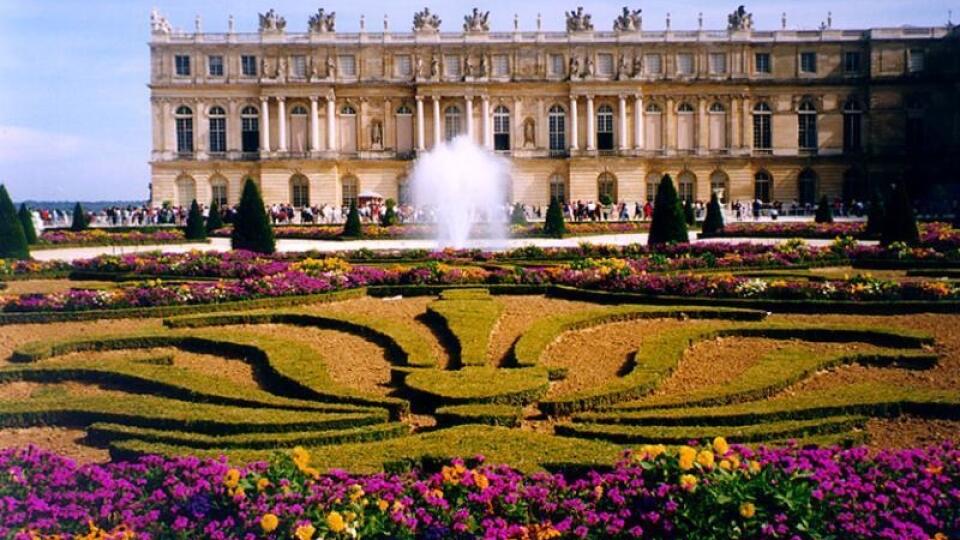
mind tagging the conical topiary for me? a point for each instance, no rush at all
(26, 221)
(214, 220)
(13, 244)
(713, 222)
(688, 213)
(824, 212)
(668, 224)
(554, 224)
(875, 216)
(899, 221)
(352, 228)
(518, 216)
(251, 228)
(196, 230)
(80, 221)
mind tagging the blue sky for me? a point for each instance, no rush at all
(74, 106)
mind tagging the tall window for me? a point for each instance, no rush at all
(215, 66)
(808, 62)
(500, 65)
(404, 129)
(347, 63)
(402, 65)
(451, 121)
(807, 187)
(762, 186)
(605, 128)
(688, 186)
(299, 191)
(851, 62)
(186, 190)
(298, 129)
(557, 64)
(762, 130)
(349, 190)
(218, 190)
(249, 129)
(182, 65)
(653, 182)
(606, 187)
(501, 128)
(653, 128)
(605, 64)
(718, 126)
(852, 122)
(761, 63)
(404, 193)
(184, 125)
(718, 185)
(652, 64)
(451, 66)
(248, 65)
(718, 63)
(558, 188)
(916, 61)
(685, 127)
(807, 118)
(218, 130)
(557, 128)
(684, 64)
(300, 66)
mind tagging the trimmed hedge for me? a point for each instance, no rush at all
(467, 318)
(490, 414)
(479, 384)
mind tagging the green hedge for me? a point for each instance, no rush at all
(490, 414)
(435, 290)
(478, 384)
(466, 318)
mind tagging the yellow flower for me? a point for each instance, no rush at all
(269, 523)
(720, 446)
(652, 451)
(356, 492)
(301, 457)
(239, 493)
(754, 467)
(688, 482)
(335, 522)
(304, 532)
(747, 510)
(262, 484)
(734, 462)
(705, 459)
(232, 478)
(382, 505)
(725, 464)
(686, 455)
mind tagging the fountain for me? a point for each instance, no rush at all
(462, 183)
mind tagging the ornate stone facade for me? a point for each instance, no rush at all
(776, 114)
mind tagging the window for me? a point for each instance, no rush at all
(300, 66)
(653, 182)
(186, 191)
(807, 118)
(348, 110)
(451, 121)
(685, 127)
(652, 65)
(558, 188)
(916, 61)
(762, 63)
(762, 132)
(451, 65)
(501, 65)
(218, 191)
(347, 64)
(807, 187)
(653, 128)
(299, 191)
(852, 122)
(605, 64)
(808, 62)
(717, 126)
(215, 66)
(402, 65)
(182, 64)
(851, 62)
(684, 64)
(184, 125)
(248, 65)
(501, 128)
(249, 129)
(349, 190)
(298, 129)
(718, 63)
(557, 120)
(218, 130)
(404, 110)
(606, 187)
(404, 192)
(688, 186)
(718, 185)
(762, 186)
(557, 64)
(605, 128)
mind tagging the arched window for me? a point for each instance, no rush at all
(854, 187)
(349, 188)
(653, 128)
(501, 128)
(558, 129)
(218, 130)
(653, 182)
(183, 118)
(249, 129)
(762, 186)
(807, 187)
(298, 129)
(762, 127)
(186, 191)
(685, 127)
(807, 119)
(606, 187)
(558, 188)
(605, 127)
(348, 110)
(404, 128)
(404, 109)
(299, 191)
(852, 125)
(718, 185)
(687, 182)
(717, 127)
(451, 122)
(218, 191)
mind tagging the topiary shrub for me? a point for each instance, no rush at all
(352, 228)
(688, 214)
(875, 216)
(13, 244)
(713, 222)
(518, 216)
(824, 212)
(390, 215)
(80, 221)
(899, 221)
(26, 221)
(214, 220)
(251, 228)
(196, 230)
(668, 224)
(554, 225)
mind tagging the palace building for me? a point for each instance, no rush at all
(318, 116)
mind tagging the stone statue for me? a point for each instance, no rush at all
(574, 67)
(282, 69)
(578, 21)
(591, 69)
(271, 22)
(623, 70)
(418, 68)
(434, 68)
(467, 68)
(376, 134)
(159, 23)
(637, 65)
(629, 21)
(483, 65)
(740, 20)
(322, 22)
(529, 133)
(264, 68)
(476, 21)
(424, 21)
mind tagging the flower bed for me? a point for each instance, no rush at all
(714, 490)
(106, 237)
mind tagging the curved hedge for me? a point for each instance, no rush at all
(466, 317)
(490, 414)
(479, 384)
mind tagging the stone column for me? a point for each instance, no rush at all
(264, 124)
(747, 134)
(485, 123)
(420, 138)
(670, 129)
(703, 129)
(734, 140)
(623, 122)
(388, 131)
(201, 130)
(282, 123)
(437, 136)
(314, 125)
(331, 122)
(469, 100)
(638, 122)
(516, 130)
(591, 129)
(233, 127)
(573, 124)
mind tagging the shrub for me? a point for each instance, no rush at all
(713, 223)
(353, 229)
(518, 216)
(80, 220)
(606, 200)
(195, 226)
(669, 224)
(390, 215)
(899, 221)
(214, 220)
(824, 213)
(874, 216)
(26, 221)
(251, 229)
(554, 225)
(13, 243)
(688, 214)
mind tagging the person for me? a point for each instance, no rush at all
(756, 209)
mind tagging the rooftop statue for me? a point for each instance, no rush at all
(476, 21)
(578, 21)
(159, 23)
(271, 22)
(424, 21)
(322, 22)
(740, 20)
(629, 21)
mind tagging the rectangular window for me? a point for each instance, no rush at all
(762, 136)
(808, 132)
(218, 135)
(451, 65)
(808, 62)
(501, 65)
(916, 61)
(299, 66)
(557, 64)
(402, 65)
(347, 63)
(851, 132)
(762, 63)
(605, 64)
(851, 62)
(558, 140)
(652, 64)
(215, 66)
(248, 65)
(301, 195)
(718, 63)
(684, 64)
(184, 135)
(501, 131)
(250, 134)
(182, 63)
(219, 194)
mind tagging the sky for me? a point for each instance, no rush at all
(74, 102)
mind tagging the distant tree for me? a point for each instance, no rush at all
(26, 221)
(824, 212)
(668, 224)
(389, 216)
(713, 222)
(196, 230)
(214, 220)
(554, 225)
(899, 221)
(875, 215)
(13, 243)
(80, 219)
(518, 216)
(352, 228)
(688, 213)
(251, 228)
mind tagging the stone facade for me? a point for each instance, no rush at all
(318, 116)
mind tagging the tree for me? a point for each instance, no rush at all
(899, 221)
(390, 215)
(251, 228)
(688, 214)
(875, 215)
(196, 230)
(13, 243)
(668, 224)
(518, 216)
(824, 212)
(214, 220)
(80, 220)
(352, 228)
(554, 225)
(26, 221)
(713, 222)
